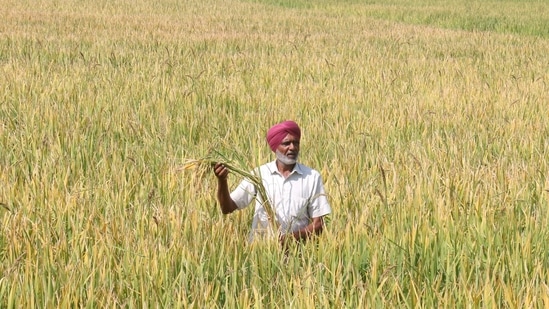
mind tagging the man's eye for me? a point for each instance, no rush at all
(289, 143)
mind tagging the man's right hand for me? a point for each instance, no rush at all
(220, 171)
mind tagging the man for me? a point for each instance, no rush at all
(295, 191)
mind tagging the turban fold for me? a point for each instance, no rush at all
(278, 132)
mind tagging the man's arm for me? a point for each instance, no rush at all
(223, 195)
(314, 228)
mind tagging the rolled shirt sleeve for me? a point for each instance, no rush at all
(243, 194)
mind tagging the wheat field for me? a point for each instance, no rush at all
(426, 119)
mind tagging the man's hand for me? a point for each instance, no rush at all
(285, 240)
(220, 171)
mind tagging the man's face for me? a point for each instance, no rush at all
(289, 147)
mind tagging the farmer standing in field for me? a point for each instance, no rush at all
(295, 191)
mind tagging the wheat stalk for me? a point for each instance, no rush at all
(239, 168)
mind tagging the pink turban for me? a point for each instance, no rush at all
(278, 132)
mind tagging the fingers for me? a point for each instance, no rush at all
(220, 170)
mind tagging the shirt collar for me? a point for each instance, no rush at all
(274, 170)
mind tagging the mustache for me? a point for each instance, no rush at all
(286, 159)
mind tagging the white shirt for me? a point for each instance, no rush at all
(295, 199)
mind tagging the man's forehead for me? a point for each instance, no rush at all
(290, 137)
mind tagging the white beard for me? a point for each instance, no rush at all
(284, 159)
